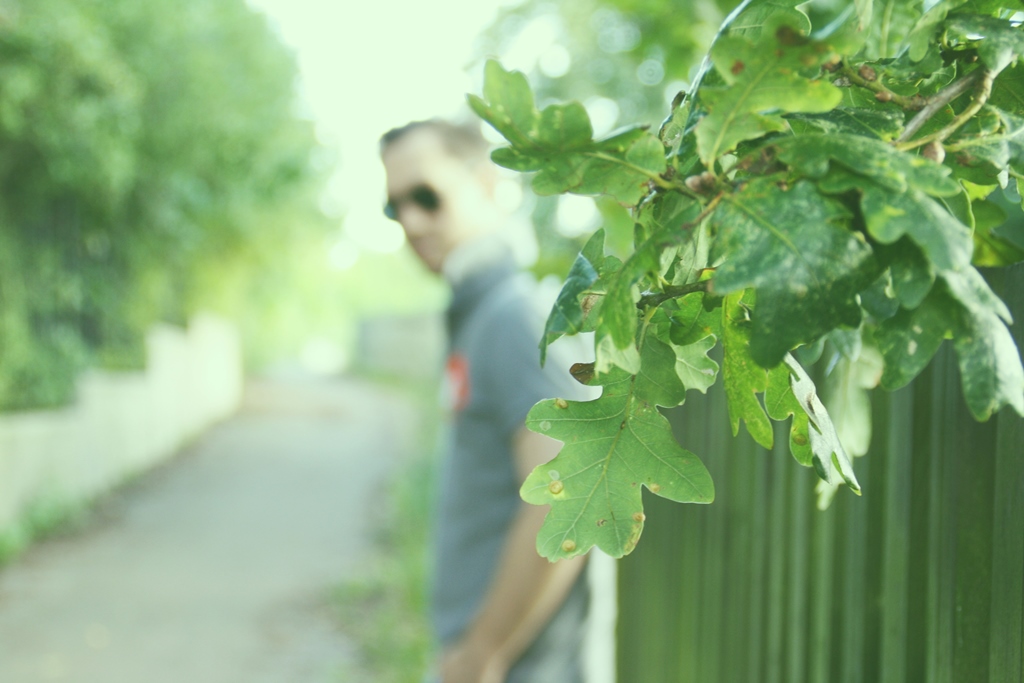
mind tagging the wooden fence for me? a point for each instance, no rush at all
(920, 580)
(121, 424)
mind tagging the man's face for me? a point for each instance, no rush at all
(439, 200)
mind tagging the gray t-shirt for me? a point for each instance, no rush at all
(495, 378)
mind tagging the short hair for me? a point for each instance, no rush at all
(463, 141)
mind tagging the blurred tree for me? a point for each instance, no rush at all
(144, 147)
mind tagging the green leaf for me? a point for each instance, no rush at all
(893, 21)
(557, 143)
(839, 180)
(666, 215)
(991, 249)
(994, 7)
(960, 206)
(616, 327)
(675, 125)
(993, 147)
(923, 34)
(847, 396)
(813, 439)
(829, 458)
(567, 315)
(613, 446)
(781, 403)
(658, 383)
(912, 273)
(883, 124)
(1001, 42)
(925, 77)
(1008, 90)
(743, 378)
(621, 167)
(1011, 233)
(693, 366)
(891, 215)
(990, 365)
(849, 342)
(509, 107)
(692, 264)
(692, 321)
(865, 10)
(909, 340)
(762, 83)
(564, 126)
(812, 155)
(760, 15)
(879, 300)
(965, 308)
(614, 339)
(974, 294)
(792, 246)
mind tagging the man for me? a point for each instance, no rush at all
(502, 613)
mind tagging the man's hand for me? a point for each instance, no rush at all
(471, 662)
(526, 591)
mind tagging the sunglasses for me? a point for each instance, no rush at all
(422, 196)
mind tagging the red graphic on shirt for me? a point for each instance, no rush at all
(457, 372)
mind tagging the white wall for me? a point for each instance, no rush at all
(122, 422)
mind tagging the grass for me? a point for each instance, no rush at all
(44, 519)
(384, 612)
(55, 516)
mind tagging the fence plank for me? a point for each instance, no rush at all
(895, 409)
(920, 581)
(854, 586)
(1007, 646)
(800, 509)
(822, 594)
(776, 559)
(973, 448)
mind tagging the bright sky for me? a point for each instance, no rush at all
(367, 67)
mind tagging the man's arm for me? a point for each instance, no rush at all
(526, 590)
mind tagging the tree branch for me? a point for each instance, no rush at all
(985, 76)
(940, 100)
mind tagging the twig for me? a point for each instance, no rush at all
(912, 103)
(654, 299)
(659, 297)
(940, 100)
(659, 180)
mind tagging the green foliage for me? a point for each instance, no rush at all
(142, 145)
(818, 265)
(557, 143)
(383, 612)
(823, 179)
(609, 43)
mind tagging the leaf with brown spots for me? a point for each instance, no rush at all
(762, 82)
(611, 444)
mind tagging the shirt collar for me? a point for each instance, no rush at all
(473, 256)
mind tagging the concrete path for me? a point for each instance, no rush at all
(217, 567)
